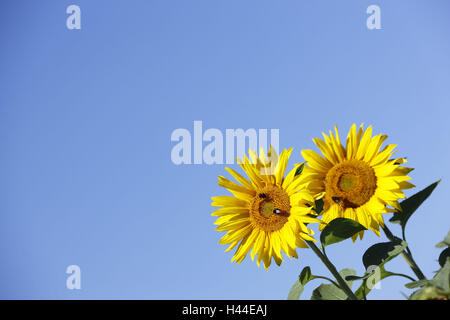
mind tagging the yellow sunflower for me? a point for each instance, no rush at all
(267, 213)
(361, 182)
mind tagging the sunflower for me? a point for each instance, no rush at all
(361, 182)
(267, 213)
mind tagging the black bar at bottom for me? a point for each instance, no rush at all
(217, 309)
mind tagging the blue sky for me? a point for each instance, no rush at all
(86, 118)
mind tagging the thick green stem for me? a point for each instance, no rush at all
(342, 284)
(407, 256)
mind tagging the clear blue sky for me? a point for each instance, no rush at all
(86, 118)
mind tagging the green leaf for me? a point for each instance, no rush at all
(436, 288)
(299, 170)
(442, 277)
(318, 206)
(296, 291)
(445, 242)
(416, 284)
(443, 256)
(371, 279)
(380, 253)
(375, 258)
(348, 273)
(410, 205)
(338, 230)
(330, 291)
(305, 276)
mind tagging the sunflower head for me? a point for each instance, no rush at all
(361, 181)
(350, 184)
(268, 212)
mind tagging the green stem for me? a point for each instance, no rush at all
(325, 278)
(402, 275)
(342, 284)
(406, 255)
(404, 238)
